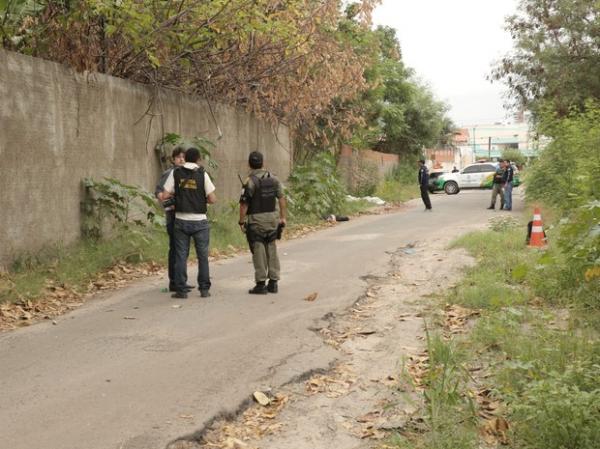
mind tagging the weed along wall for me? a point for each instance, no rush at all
(362, 167)
(58, 126)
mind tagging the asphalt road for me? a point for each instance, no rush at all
(130, 371)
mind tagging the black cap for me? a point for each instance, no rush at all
(255, 160)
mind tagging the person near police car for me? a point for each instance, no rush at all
(262, 214)
(193, 191)
(178, 159)
(423, 179)
(507, 180)
(497, 182)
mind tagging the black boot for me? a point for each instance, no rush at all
(259, 289)
(272, 286)
(491, 208)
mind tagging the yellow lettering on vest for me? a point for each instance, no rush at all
(189, 184)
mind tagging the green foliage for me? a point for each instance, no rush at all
(315, 188)
(400, 184)
(167, 144)
(554, 413)
(556, 56)
(78, 264)
(503, 223)
(364, 178)
(111, 201)
(515, 156)
(450, 412)
(567, 173)
(401, 114)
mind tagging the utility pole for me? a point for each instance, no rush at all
(490, 148)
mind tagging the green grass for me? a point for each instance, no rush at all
(394, 191)
(76, 265)
(540, 349)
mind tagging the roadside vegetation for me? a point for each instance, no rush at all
(520, 334)
(123, 225)
(523, 373)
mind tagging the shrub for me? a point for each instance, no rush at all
(315, 188)
(555, 413)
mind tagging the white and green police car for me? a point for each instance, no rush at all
(475, 176)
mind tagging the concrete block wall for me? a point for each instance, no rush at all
(58, 126)
(352, 163)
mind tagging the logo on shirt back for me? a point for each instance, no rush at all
(189, 184)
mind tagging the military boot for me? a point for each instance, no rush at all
(272, 286)
(259, 289)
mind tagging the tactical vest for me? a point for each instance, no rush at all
(498, 176)
(190, 196)
(264, 197)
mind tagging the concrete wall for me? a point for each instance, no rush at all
(58, 126)
(354, 165)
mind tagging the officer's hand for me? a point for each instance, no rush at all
(243, 227)
(283, 221)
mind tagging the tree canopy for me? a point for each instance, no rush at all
(316, 65)
(556, 56)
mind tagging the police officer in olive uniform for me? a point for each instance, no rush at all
(497, 186)
(260, 219)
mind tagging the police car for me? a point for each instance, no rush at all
(475, 176)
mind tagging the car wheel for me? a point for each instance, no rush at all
(451, 188)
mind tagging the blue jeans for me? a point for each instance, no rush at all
(199, 231)
(508, 195)
(170, 219)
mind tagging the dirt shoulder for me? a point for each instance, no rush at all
(372, 387)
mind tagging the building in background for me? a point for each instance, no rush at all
(483, 142)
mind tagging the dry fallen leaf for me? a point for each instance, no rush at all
(261, 398)
(311, 297)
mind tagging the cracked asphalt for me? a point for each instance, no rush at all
(130, 371)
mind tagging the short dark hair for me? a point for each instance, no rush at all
(177, 151)
(500, 160)
(255, 160)
(507, 161)
(192, 155)
(422, 161)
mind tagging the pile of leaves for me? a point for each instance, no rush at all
(59, 298)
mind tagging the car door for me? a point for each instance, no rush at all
(485, 175)
(468, 177)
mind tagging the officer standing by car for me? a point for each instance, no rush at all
(497, 186)
(261, 220)
(423, 179)
(507, 180)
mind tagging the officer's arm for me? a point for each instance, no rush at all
(243, 212)
(282, 210)
(211, 198)
(168, 188)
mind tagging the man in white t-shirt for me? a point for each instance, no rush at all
(193, 191)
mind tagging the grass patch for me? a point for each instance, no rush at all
(394, 191)
(540, 351)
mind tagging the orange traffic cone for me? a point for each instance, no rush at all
(538, 236)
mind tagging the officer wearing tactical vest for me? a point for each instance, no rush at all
(193, 191)
(261, 219)
(497, 186)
